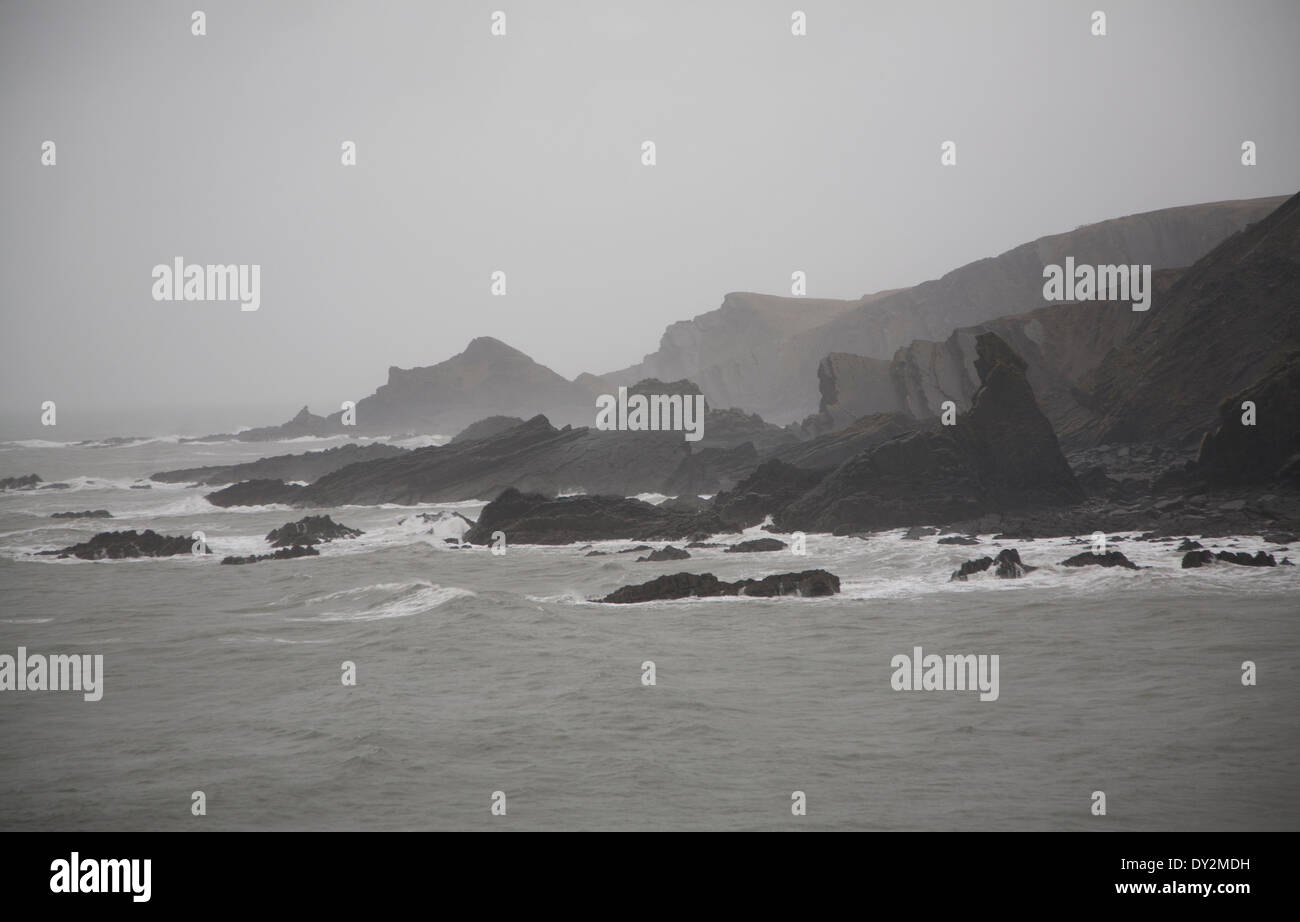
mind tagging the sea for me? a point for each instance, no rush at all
(491, 693)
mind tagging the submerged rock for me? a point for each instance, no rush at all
(88, 514)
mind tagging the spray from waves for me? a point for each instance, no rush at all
(380, 601)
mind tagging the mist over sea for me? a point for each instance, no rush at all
(478, 673)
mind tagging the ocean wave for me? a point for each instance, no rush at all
(381, 601)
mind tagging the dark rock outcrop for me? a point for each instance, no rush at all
(313, 529)
(835, 443)
(533, 518)
(665, 553)
(1001, 455)
(809, 583)
(285, 553)
(532, 457)
(756, 545)
(1108, 559)
(770, 487)
(1228, 321)
(26, 482)
(1241, 558)
(1269, 449)
(118, 545)
(1007, 565)
(960, 539)
(256, 493)
(88, 514)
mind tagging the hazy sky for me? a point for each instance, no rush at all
(522, 153)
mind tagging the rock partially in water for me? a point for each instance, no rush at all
(256, 493)
(809, 583)
(1007, 565)
(1108, 559)
(118, 545)
(756, 545)
(285, 553)
(666, 553)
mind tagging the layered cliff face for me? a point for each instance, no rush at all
(1002, 455)
(726, 350)
(762, 353)
(1268, 449)
(1060, 344)
(1228, 322)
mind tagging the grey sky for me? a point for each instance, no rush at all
(522, 153)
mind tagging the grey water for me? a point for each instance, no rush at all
(478, 673)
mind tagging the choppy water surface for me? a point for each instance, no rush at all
(479, 673)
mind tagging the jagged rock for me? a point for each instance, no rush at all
(1108, 559)
(756, 545)
(667, 553)
(703, 544)
(88, 514)
(26, 482)
(1189, 545)
(314, 529)
(1007, 565)
(917, 532)
(1241, 558)
(771, 486)
(1000, 456)
(285, 553)
(809, 583)
(256, 493)
(633, 550)
(117, 545)
(960, 539)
